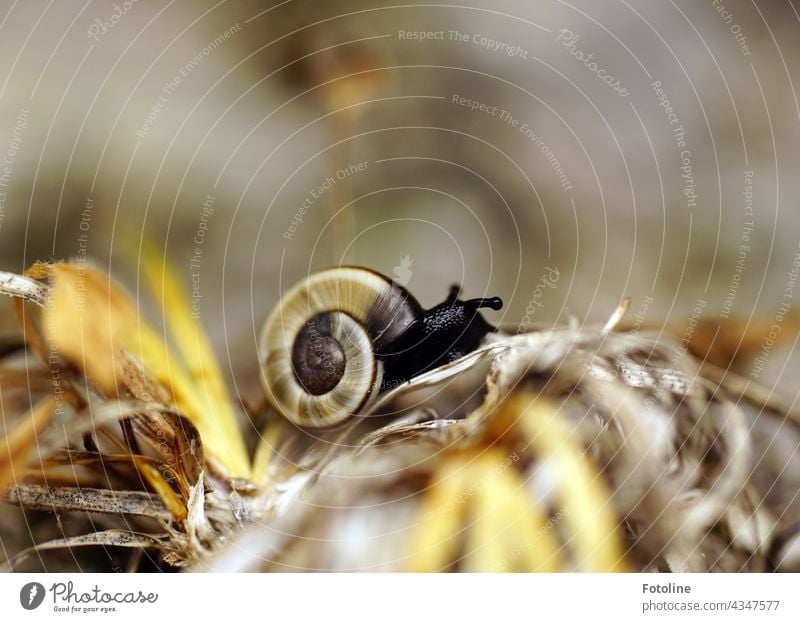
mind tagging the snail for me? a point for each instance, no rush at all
(343, 335)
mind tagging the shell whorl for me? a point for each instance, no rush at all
(317, 348)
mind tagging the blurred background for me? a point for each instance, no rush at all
(560, 155)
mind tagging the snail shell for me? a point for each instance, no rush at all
(318, 347)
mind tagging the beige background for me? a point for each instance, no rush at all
(463, 194)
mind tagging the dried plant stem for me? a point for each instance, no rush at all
(19, 286)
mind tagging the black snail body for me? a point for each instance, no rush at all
(440, 335)
(343, 335)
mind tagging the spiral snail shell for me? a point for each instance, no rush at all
(342, 335)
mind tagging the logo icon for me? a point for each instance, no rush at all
(403, 271)
(31, 595)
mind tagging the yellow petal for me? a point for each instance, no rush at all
(262, 459)
(510, 532)
(588, 510)
(18, 443)
(155, 478)
(438, 535)
(85, 316)
(89, 320)
(208, 404)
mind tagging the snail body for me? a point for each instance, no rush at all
(343, 335)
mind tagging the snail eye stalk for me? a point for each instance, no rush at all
(453, 294)
(495, 303)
